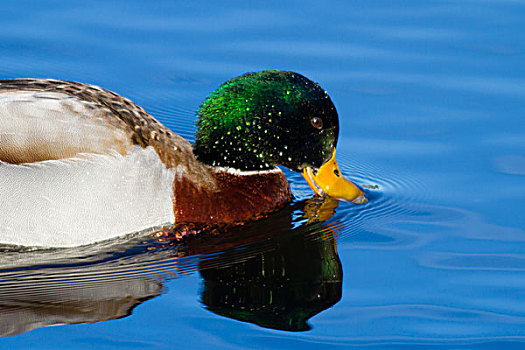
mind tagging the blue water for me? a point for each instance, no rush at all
(431, 103)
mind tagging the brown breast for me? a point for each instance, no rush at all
(239, 198)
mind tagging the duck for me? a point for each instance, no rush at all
(81, 164)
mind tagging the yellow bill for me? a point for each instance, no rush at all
(328, 181)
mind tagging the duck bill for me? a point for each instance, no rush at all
(328, 181)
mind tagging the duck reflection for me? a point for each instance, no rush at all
(24, 308)
(277, 273)
(278, 289)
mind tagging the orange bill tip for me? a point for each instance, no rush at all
(328, 181)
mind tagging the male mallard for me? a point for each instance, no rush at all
(79, 164)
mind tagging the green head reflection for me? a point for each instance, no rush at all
(296, 277)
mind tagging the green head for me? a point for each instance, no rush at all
(268, 118)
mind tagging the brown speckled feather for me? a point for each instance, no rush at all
(141, 128)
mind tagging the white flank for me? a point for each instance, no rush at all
(81, 200)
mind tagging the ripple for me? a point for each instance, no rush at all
(401, 185)
(393, 197)
(475, 262)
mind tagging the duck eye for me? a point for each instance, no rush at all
(317, 122)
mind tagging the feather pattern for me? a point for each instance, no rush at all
(117, 111)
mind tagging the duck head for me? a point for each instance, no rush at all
(259, 120)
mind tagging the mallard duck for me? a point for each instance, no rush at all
(80, 164)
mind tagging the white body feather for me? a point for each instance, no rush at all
(82, 200)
